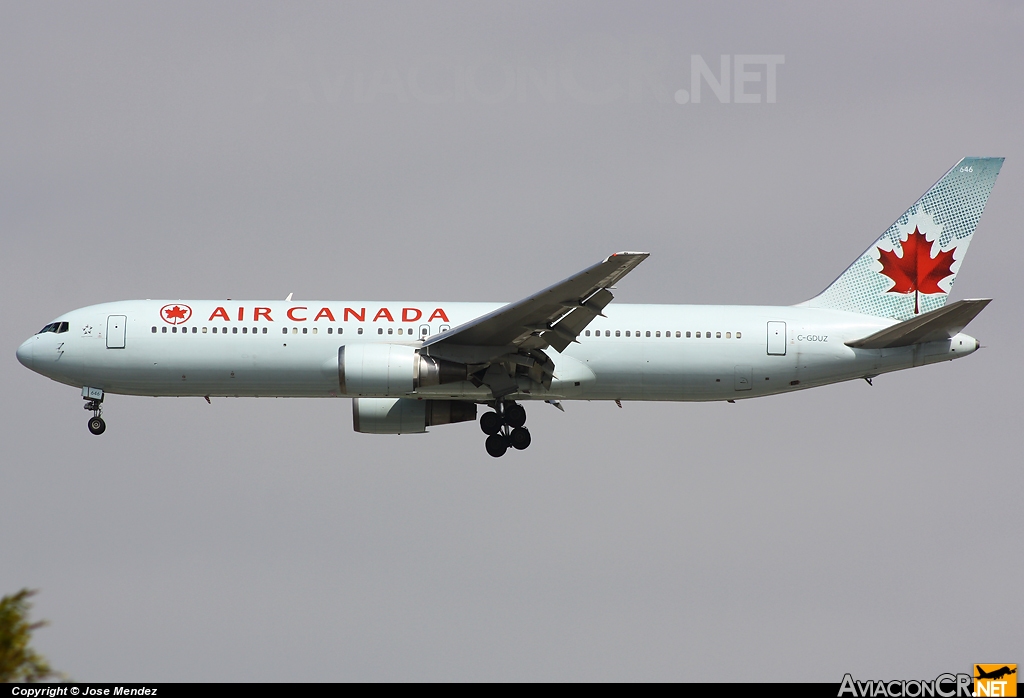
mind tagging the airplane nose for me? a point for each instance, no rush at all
(26, 353)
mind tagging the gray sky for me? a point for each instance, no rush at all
(481, 151)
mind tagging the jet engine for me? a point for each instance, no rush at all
(400, 415)
(392, 369)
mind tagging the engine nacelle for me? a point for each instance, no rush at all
(391, 369)
(399, 415)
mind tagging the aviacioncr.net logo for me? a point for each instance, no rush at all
(943, 686)
(995, 680)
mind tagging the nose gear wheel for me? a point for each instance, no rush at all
(96, 424)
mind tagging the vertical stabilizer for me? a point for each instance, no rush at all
(911, 269)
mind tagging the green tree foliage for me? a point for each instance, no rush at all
(18, 661)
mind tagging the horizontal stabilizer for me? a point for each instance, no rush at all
(937, 325)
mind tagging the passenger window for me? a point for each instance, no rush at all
(164, 330)
(314, 330)
(698, 335)
(284, 330)
(305, 330)
(391, 330)
(340, 330)
(295, 330)
(687, 334)
(707, 335)
(204, 330)
(264, 330)
(656, 334)
(195, 330)
(728, 335)
(738, 335)
(627, 333)
(330, 330)
(718, 335)
(359, 331)
(174, 330)
(154, 329)
(245, 330)
(234, 330)
(617, 333)
(380, 330)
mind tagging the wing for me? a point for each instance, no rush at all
(552, 317)
(515, 335)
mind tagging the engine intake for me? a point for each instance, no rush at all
(383, 370)
(399, 415)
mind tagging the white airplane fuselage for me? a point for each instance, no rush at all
(637, 352)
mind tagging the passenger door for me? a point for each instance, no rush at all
(776, 339)
(115, 331)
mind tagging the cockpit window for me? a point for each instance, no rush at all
(53, 326)
(57, 327)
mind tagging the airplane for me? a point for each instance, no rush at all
(995, 674)
(412, 365)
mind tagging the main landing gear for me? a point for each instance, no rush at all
(505, 427)
(94, 400)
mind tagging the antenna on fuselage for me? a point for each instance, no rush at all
(288, 298)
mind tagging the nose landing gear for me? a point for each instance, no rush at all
(94, 400)
(505, 428)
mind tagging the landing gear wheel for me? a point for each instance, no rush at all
(520, 438)
(490, 423)
(97, 426)
(496, 445)
(515, 415)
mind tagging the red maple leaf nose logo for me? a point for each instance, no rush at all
(175, 314)
(916, 271)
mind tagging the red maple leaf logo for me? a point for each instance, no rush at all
(916, 271)
(175, 314)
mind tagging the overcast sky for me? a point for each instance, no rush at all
(481, 151)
